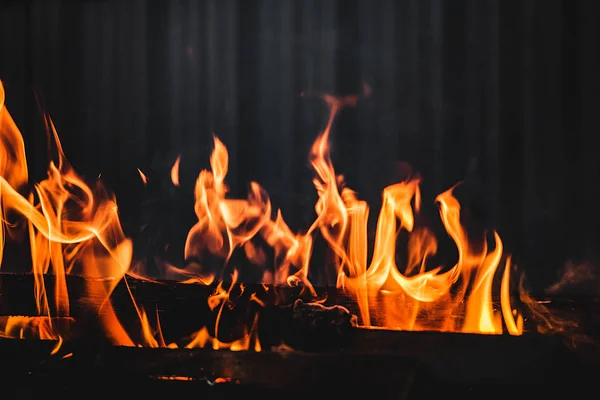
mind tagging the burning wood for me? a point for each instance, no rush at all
(386, 363)
(85, 284)
(286, 315)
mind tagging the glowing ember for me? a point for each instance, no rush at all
(74, 228)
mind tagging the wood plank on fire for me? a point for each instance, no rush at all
(183, 308)
(174, 301)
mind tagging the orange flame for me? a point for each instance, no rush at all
(72, 228)
(175, 171)
(75, 229)
(143, 176)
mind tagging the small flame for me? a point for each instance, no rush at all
(175, 171)
(24, 327)
(143, 176)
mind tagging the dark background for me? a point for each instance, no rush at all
(501, 94)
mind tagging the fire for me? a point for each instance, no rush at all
(175, 171)
(143, 176)
(74, 228)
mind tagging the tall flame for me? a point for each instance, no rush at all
(74, 228)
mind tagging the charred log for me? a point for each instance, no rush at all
(109, 370)
(463, 365)
(183, 308)
(292, 324)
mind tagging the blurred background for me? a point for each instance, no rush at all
(503, 95)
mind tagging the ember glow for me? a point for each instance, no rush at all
(74, 228)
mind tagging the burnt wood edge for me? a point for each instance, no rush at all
(16, 293)
(431, 358)
(16, 298)
(183, 309)
(110, 368)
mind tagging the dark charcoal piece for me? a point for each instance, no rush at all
(183, 309)
(197, 373)
(464, 366)
(307, 326)
(319, 321)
